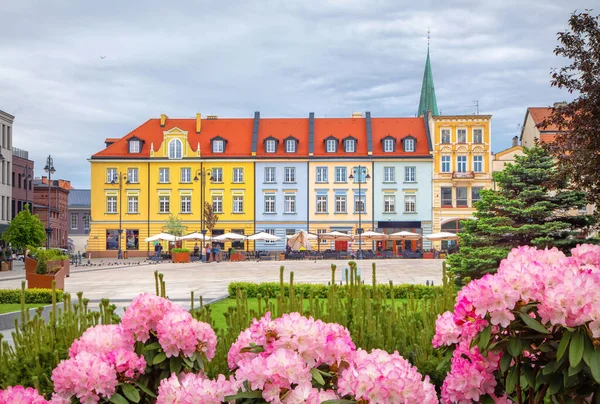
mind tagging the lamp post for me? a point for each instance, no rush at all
(119, 180)
(27, 172)
(358, 171)
(49, 168)
(201, 175)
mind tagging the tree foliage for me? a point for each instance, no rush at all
(533, 206)
(577, 146)
(210, 217)
(25, 230)
(174, 226)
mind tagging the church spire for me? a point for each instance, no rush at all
(428, 100)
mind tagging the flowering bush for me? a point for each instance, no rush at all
(529, 332)
(189, 388)
(19, 394)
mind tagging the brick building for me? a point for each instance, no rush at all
(57, 194)
(22, 181)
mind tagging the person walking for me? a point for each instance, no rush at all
(156, 249)
(204, 253)
(217, 251)
(208, 252)
(196, 250)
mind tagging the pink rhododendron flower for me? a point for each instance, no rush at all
(194, 389)
(144, 314)
(446, 330)
(179, 331)
(21, 395)
(102, 339)
(126, 363)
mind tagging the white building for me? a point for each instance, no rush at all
(6, 122)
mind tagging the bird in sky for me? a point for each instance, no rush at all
(102, 57)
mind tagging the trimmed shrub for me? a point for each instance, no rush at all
(32, 296)
(179, 250)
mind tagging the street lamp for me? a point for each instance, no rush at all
(27, 172)
(358, 171)
(49, 168)
(201, 175)
(119, 180)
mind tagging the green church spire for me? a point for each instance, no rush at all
(428, 100)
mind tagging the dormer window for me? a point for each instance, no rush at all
(175, 149)
(270, 146)
(134, 146)
(290, 146)
(331, 145)
(409, 145)
(350, 145)
(218, 144)
(389, 144)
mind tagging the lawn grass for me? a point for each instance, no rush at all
(10, 307)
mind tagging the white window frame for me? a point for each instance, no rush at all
(290, 146)
(86, 222)
(389, 203)
(134, 146)
(443, 133)
(217, 174)
(217, 202)
(76, 221)
(164, 204)
(111, 174)
(132, 204)
(410, 203)
(269, 201)
(480, 132)
(238, 175)
(388, 145)
(271, 146)
(362, 199)
(478, 164)
(446, 160)
(272, 233)
(289, 204)
(461, 162)
(460, 132)
(331, 145)
(321, 174)
(186, 204)
(410, 174)
(290, 175)
(341, 201)
(389, 174)
(132, 175)
(270, 175)
(186, 178)
(322, 203)
(164, 175)
(350, 146)
(339, 170)
(175, 149)
(238, 204)
(111, 204)
(218, 146)
(409, 145)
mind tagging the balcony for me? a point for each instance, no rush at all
(463, 174)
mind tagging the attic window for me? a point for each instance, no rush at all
(389, 145)
(409, 145)
(290, 146)
(218, 146)
(270, 146)
(175, 149)
(134, 146)
(350, 145)
(331, 145)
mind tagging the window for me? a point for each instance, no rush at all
(340, 204)
(132, 238)
(331, 145)
(410, 174)
(86, 222)
(271, 146)
(475, 195)
(19, 184)
(132, 175)
(389, 174)
(290, 204)
(321, 174)
(445, 164)
(410, 202)
(164, 202)
(238, 204)
(388, 145)
(360, 174)
(350, 145)
(290, 174)
(409, 145)
(389, 204)
(175, 149)
(74, 221)
(217, 202)
(163, 175)
(218, 146)
(112, 239)
(461, 164)
(186, 204)
(111, 175)
(290, 232)
(461, 135)
(478, 164)
(477, 135)
(238, 175)
(461, 196)
(272, 233)
(290, 146)
(446, 193)
(340, 174)
(217, 175)
(269, 174)
(269, 203)
(134, 146)
(132, 204)
(445, 136)
(359, 203)
(321, 203)
(186, 174)
(111, 204)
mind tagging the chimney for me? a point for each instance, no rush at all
(515, 141)
(198, 122)
(356, 115)
(560, 104)
(163, 120)
(212, 117)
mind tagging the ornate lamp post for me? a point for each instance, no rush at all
(357, 173)
(49, 168)
(119, 180)
(201, 175)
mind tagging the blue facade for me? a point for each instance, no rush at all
(281, 200)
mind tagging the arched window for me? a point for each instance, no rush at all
(452, 226)
(175, 149)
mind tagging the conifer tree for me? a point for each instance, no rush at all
(532, 206)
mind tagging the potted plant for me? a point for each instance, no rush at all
(428, 254)
(49, 268)
(180, 255)
(236, 256)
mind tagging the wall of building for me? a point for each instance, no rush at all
(59, 209)
(6, 122)
(22, 182)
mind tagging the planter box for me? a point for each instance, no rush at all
(66, 264)
(181, 257)
(30, 265)
(428, 255)
(237, 257)
(5, 266)
(45, 281)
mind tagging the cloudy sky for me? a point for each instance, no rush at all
(283, 58)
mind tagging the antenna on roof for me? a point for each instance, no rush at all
(476, 105)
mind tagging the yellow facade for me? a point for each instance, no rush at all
(461, 167)
(150, 189)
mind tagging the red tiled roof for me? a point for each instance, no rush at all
(340, 128)
(281, 128)
(539, 114)
(399, 128)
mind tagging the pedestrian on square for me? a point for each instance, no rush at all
(208, 252)
(196, 250)
(217, 251)
(156, 249)
(204, 253)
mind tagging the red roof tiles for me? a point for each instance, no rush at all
(539, 114)
(400, 128)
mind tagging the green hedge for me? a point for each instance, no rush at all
(33, 296)
(271, 290)
(179, 250)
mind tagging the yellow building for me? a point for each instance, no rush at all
(461, 167)
(139, 180)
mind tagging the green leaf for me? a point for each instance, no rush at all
(555, 384)
(576, 349)
(505, 362)
(118, 399)
(529, 375)
(533, 324)
(484, 338)
(486, 399)
(588, 350)
(563, 345)
(317, 376)
(131, 392)
(189, 363)
(595, 365)
(142, 387)
(245, 394)
(175, 364)
(340, 401)
(160, 358)
(154, 345)
(514, 347)
(511, 380)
